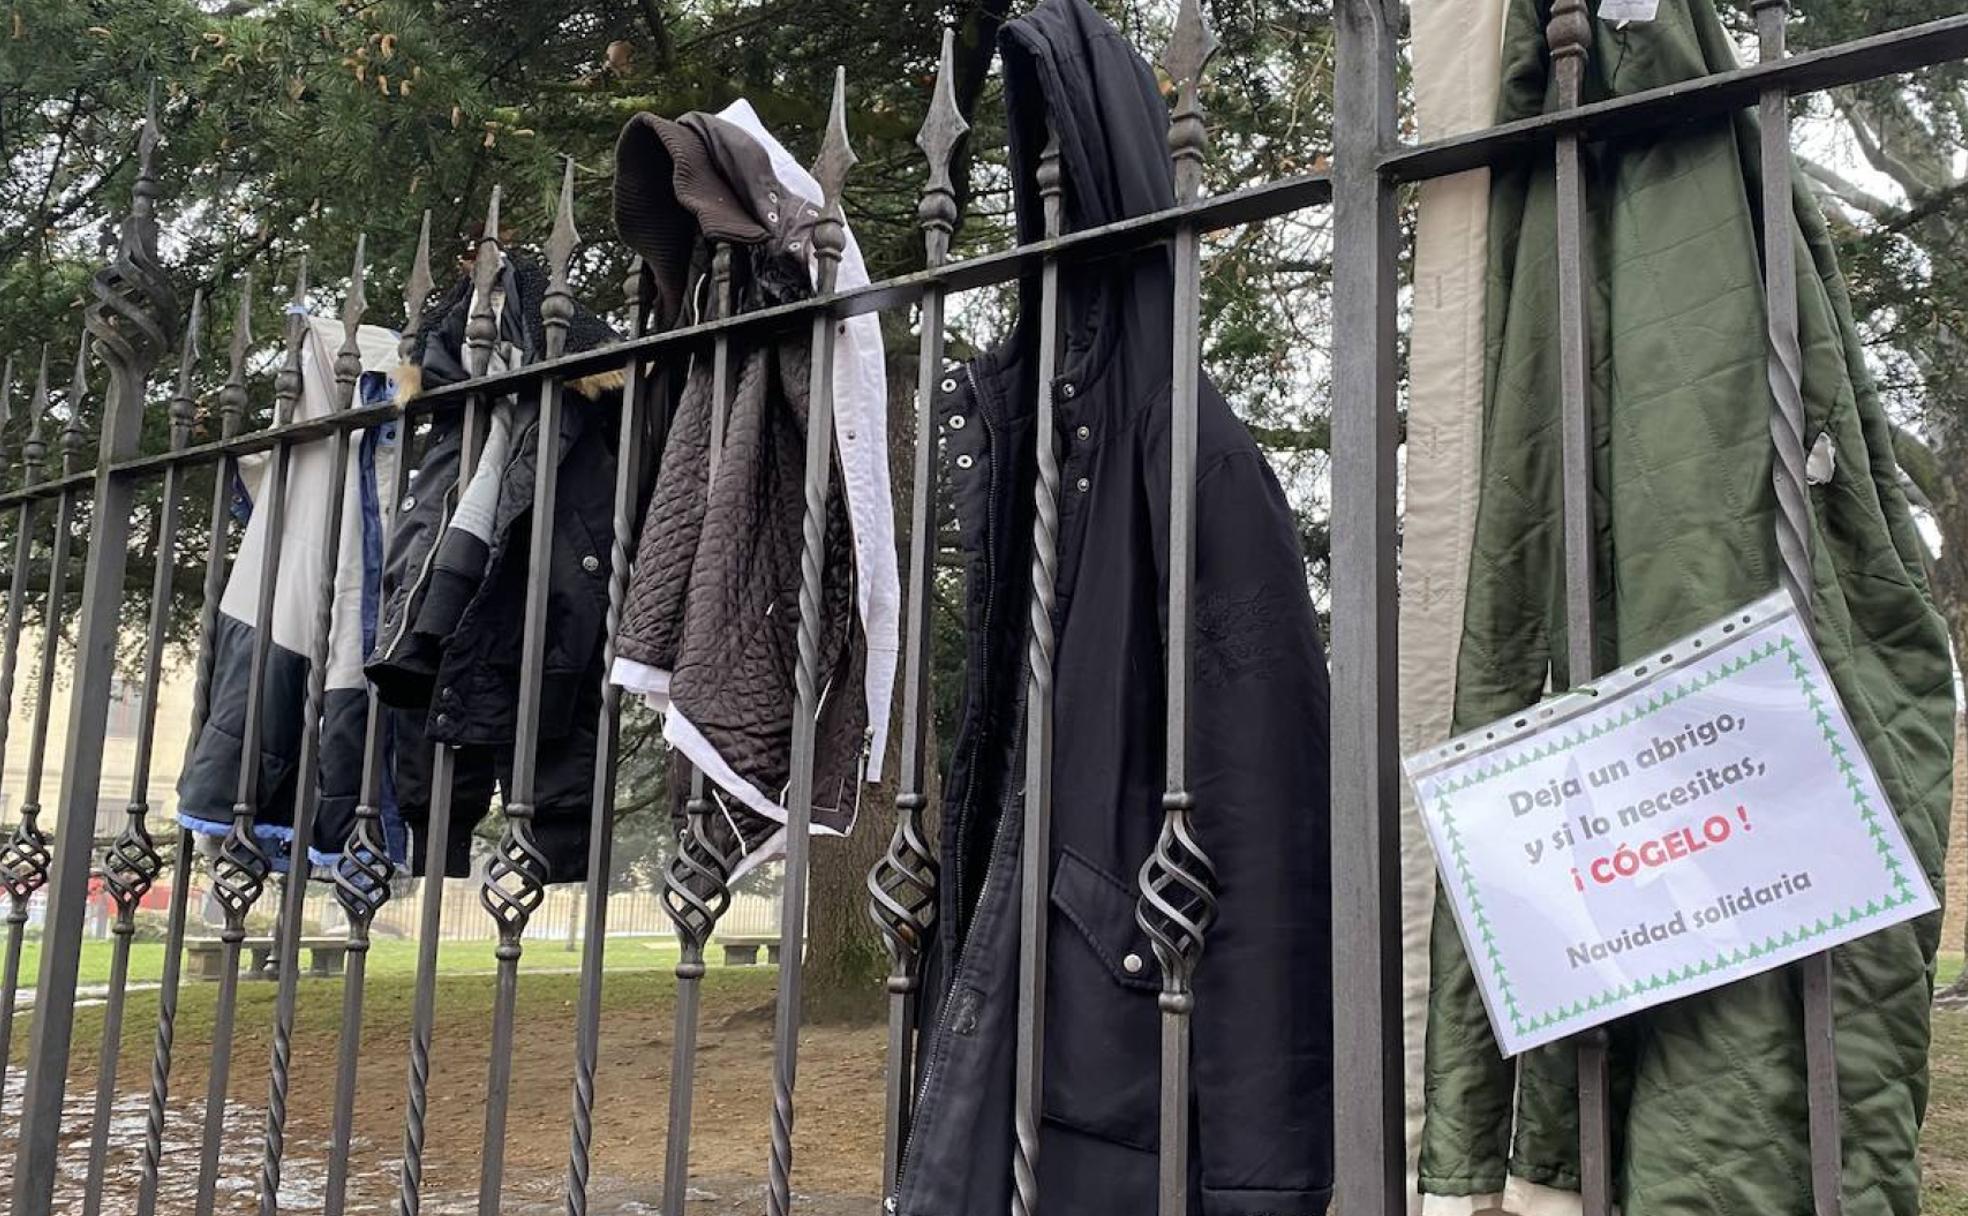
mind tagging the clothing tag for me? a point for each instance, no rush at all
(1628, 10)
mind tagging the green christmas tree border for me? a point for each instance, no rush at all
(1484, 939)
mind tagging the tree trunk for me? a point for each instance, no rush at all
(847, 963)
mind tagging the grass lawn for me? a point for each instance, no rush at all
(839, 1083)
(388, 957)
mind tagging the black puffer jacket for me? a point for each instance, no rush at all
(447, 651)
(1262, 1032)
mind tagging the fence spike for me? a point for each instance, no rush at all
(348, 361)
(35, 450)
(942, 131)
(482, 329)
(73, 435)
(836, 156)
(1191, 45)
(184, 404)
(561, 244)
(232, 398)
(287, 385)
(417, 288)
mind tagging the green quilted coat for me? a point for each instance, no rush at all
(1709, 1091)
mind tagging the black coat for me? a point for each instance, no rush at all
(1262, 1036)
(447, 655)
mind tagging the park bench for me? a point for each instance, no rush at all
(327, 956)
(744, 951)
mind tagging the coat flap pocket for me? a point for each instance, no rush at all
(1102, 907)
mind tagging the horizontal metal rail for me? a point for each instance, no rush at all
(1908, 50)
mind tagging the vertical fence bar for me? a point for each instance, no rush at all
(130, 319)
(481, 333)
(1569, 35)
(1177, 883)
(608, 739)
(1794, 545)
(829, 237)
(307, 784)
(363, 877)
(515, 880)
(240, 873)
(21, 881)
(696, 886)
(902, 885)
(1369, 1147)
(131, 863)
(26, 858)
(232, 413)
(1033, 909)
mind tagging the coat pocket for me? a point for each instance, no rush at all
(1102, 1036)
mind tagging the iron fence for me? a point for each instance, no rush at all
(52, 856)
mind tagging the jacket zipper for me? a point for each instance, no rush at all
(976, 747)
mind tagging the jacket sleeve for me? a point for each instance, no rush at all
(1259, 773)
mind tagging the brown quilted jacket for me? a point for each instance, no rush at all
(714, 598)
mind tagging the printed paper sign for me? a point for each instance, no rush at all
(1684, 822)
(1628, 10)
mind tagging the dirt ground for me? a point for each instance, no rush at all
(837, 1137)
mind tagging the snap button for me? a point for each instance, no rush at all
(444, 719)
(772, 217)
(950, 384)
(1085, 483)
(1085, 432)
(771, 196)
(591, 563)
(1067, 390)
(1133, 964)
(965, 461)
(410, 503)
(446, 693)
(957, 422)
(795, 246)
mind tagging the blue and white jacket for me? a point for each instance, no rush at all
(209, 786)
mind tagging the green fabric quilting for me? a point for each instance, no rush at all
(1710, 1108)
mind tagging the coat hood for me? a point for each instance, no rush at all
(1066, 65)
(699, 178)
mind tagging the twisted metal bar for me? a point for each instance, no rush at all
(240, 872)
(829, 238)
(696, 886)
(1569, 34)
(1036, 845)
(696, 892)
(481, 333)
(27, 857)
(232, 406)
(33, 451)
(1793, 528)
(364, 875)
(629, 450)
(348, 370)
(134, 312)
(515, 882)
(132, 862)
(902, 884)
(1177, 901)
